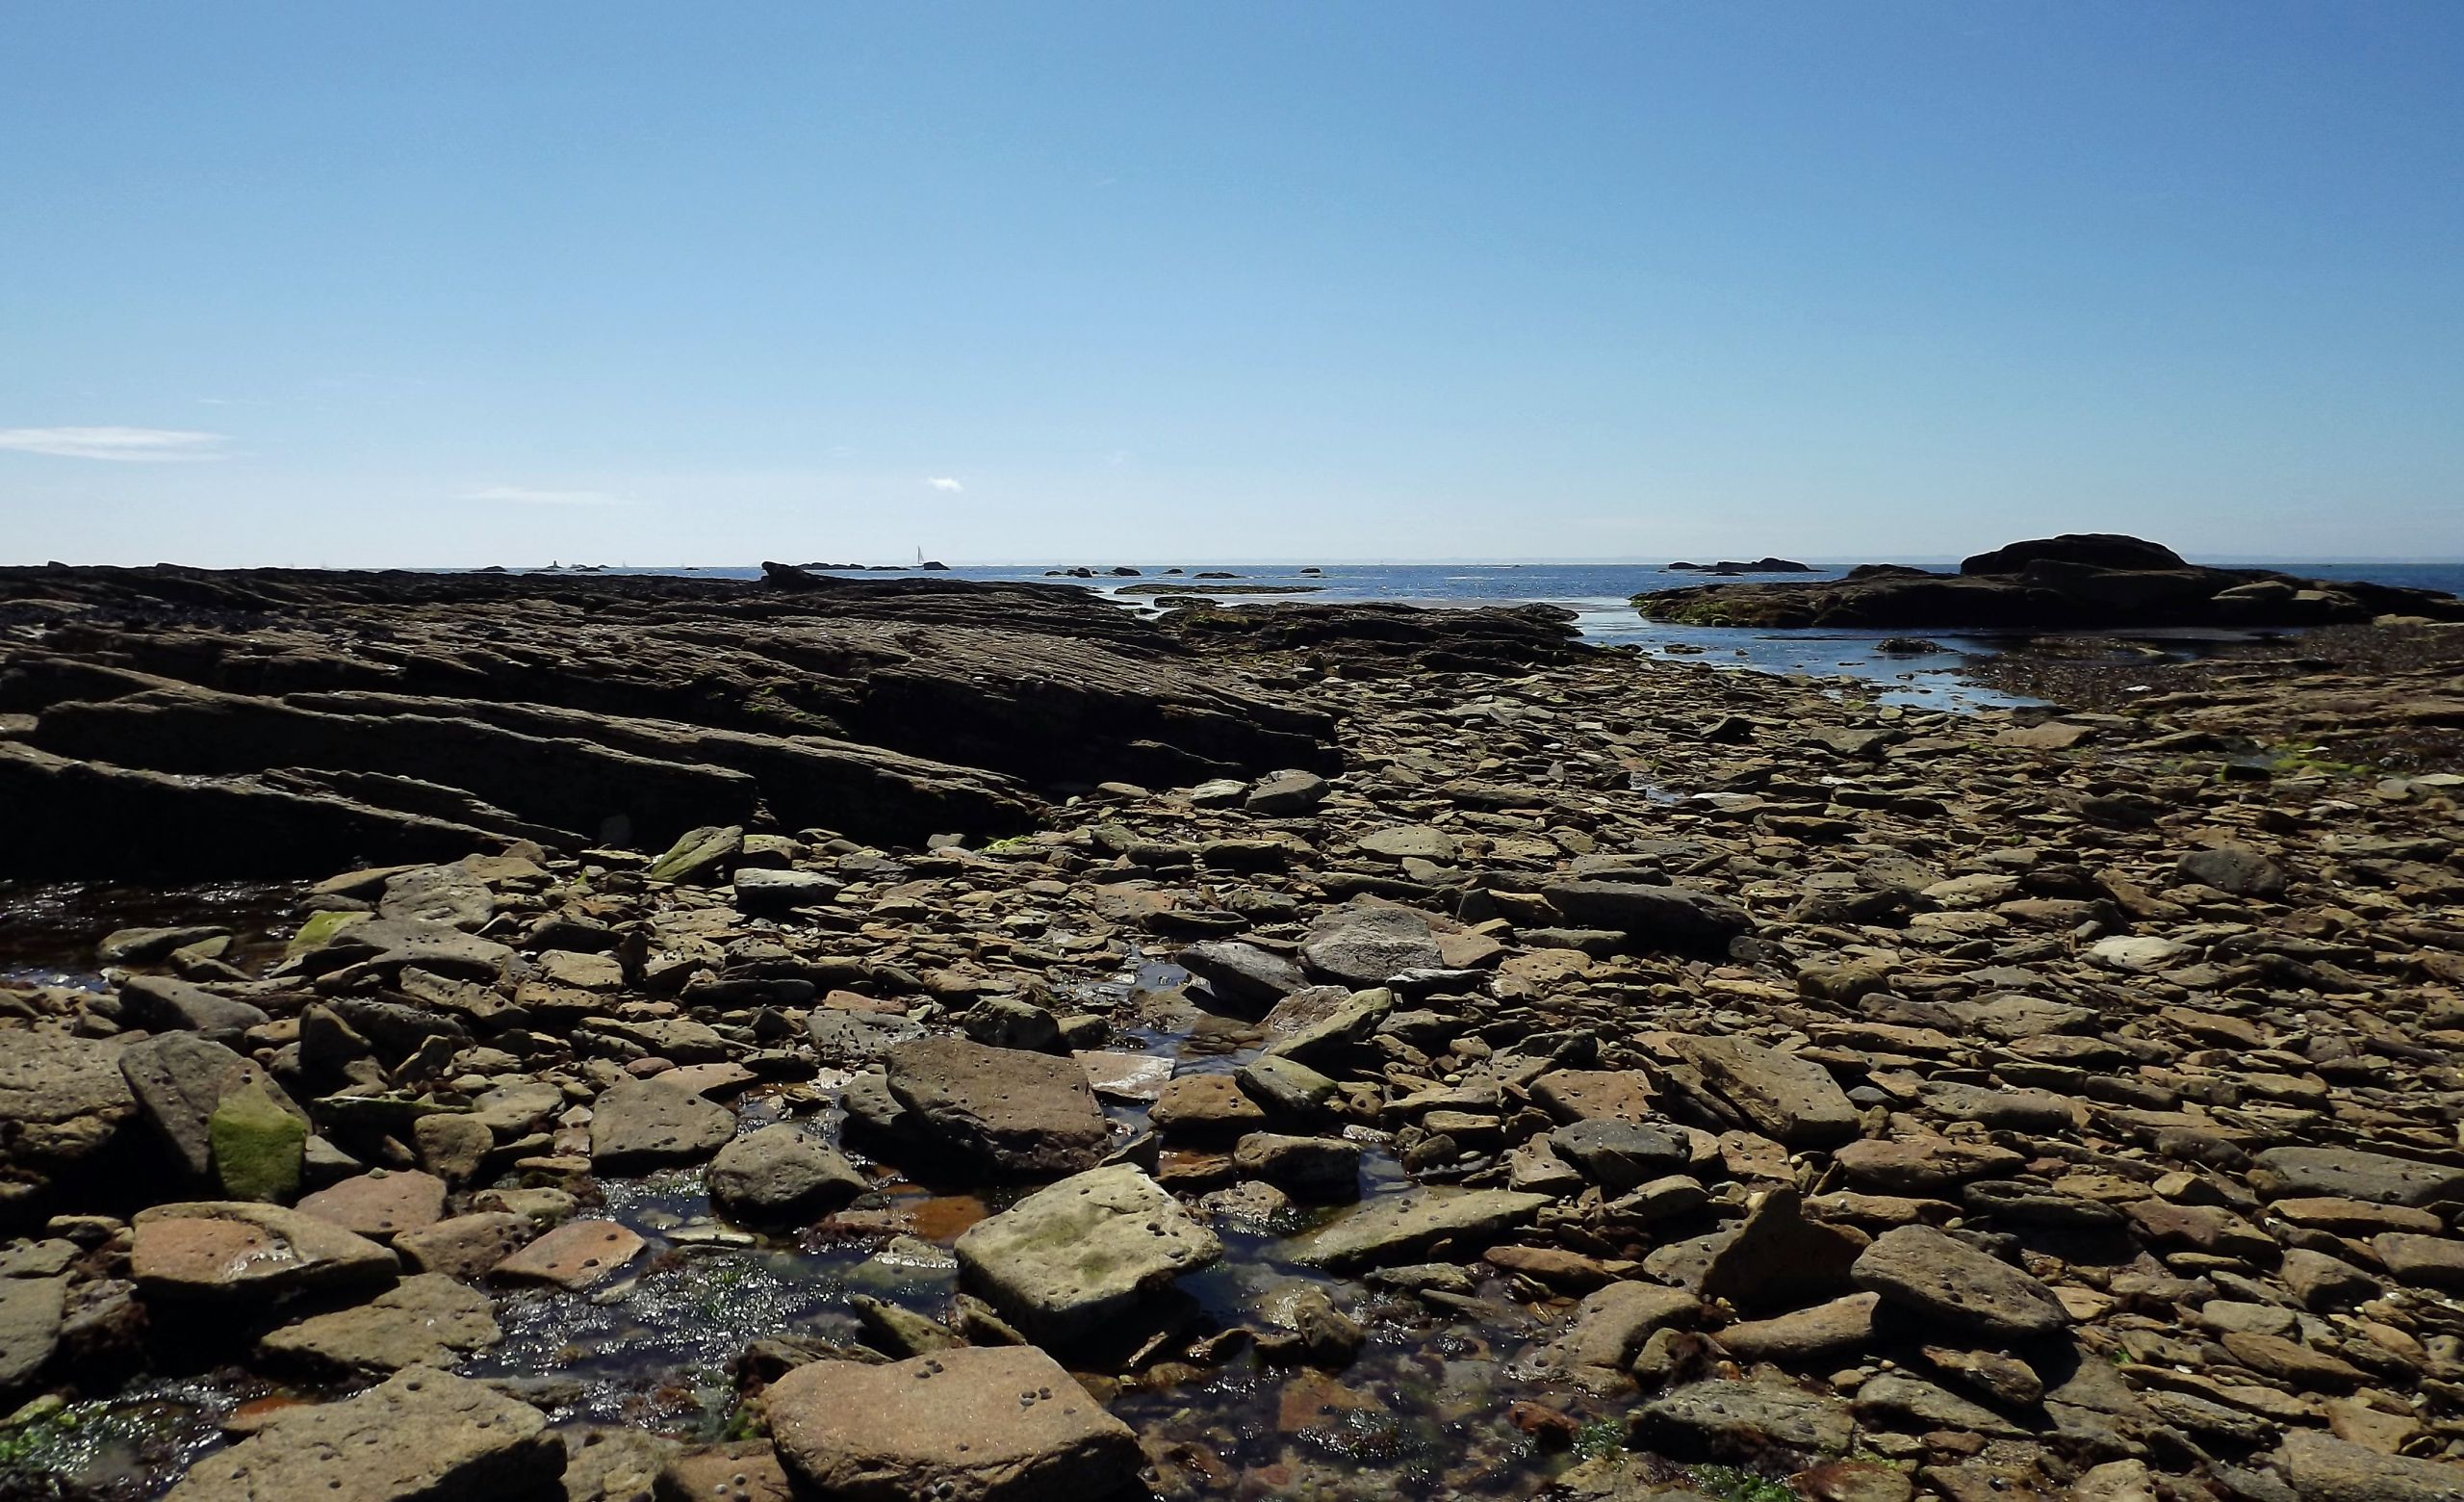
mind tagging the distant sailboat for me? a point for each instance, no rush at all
(919, 558)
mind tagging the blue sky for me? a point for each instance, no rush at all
(446, 283)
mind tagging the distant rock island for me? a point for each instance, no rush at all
(1757, 566)
(2075, 582)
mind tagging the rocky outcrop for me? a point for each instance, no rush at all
(971, 1425)
(176, 712)
(2073, 583)
(422, 1436)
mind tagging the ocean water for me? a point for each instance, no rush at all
(1599, 594)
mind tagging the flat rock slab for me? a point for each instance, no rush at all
(576, 1254)
(426, 1320)
(1744, 1421)
(232, 1251)
(973, 1424)
(1015, 1112)
(645, 1124)
(380, 1204)
(424, 1436)
(2323, 1468)
(1371, 946)
(1938, 1278)
(1790, 1099)
(31, 1310)
(1076, 1255)
(62, 1095)
(1411, 1223)
(1136, 1077)
(2348, 1172)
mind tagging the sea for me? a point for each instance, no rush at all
(1599, 594)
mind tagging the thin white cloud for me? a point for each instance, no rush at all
(524, 494)
(944, 482)
(125, 444)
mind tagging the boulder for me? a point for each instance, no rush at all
(576, 1254)
(779, 1173)
(425, 1320)
(232, 1252)
(1029, 1115)
(1365, 946)
(2349, 1172)
(1242, 974)
(1651, 916)
(1076, 1256)
(1951, 1286)
(380, 1204)
(1791, 1098)
(646, 1124)
(2323, 1468)
(63, 1099)
(424, 1435)
(2090, 550)
(971, 1424)
(1417, 1221)
(31, 1312)
(179, 1080)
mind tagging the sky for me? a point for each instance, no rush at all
(443, 284)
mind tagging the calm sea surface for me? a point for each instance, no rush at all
(1599, 594)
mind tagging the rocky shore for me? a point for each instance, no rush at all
(2077, 582)
(884, 1039)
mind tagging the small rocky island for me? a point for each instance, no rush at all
(2077, 582)
(615, 1037)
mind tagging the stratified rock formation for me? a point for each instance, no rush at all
(169, 722)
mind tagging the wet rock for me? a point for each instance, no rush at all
(1287, 1089)
(576, 1254)
(425, 1320)
(151, 946)
(781, 1174)
(745, 1471)
(646, 1124)
(1948, 1285)
(1408, 1224)
(423, 1434)
(1242, 974)
(1206, 1107)
(161, 1004)
(229, 1252)
(998, 1424)
(1079, 1255)
(1307, 1168)
(1016, 1113)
